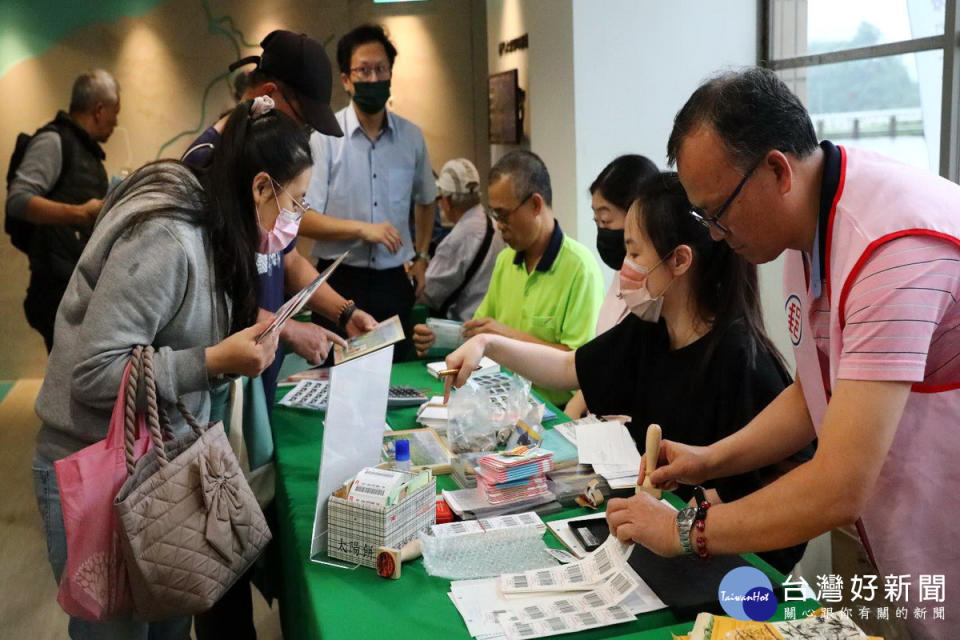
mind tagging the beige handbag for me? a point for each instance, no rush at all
(189, 524)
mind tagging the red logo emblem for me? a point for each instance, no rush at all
(794, 318)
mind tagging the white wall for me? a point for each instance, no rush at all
(546, 72)
(606, 77)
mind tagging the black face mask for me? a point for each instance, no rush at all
(371, 97)
(610, 247)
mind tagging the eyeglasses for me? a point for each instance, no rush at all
(714, 221)
(368, 71)
(502, 215)
(301, 204)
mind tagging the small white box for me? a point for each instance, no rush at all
(355, 531)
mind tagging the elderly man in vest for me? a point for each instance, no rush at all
(58, 188)
(871, 290)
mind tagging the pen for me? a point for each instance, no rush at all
(453, 372)
(448, 381)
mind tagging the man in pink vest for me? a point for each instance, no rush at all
(871, 290)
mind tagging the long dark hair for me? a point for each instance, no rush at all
(620, 181)
(725, 286)
(273, 143)
(221, 200)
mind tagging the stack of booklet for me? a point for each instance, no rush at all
(514, 476)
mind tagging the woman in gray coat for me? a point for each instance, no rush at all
(171, 263)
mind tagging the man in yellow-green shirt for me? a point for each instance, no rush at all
(545, 286)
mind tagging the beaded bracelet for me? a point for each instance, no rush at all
(699, 522)
(346, 310)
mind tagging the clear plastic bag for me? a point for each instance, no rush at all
(480, 422)
(471, 425)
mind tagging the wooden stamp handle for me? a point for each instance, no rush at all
(654, 434)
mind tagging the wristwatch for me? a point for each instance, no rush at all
(685, 519)
(422, 255)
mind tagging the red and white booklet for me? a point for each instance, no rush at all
(502, 467)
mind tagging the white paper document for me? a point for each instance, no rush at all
(564, 604)
(606, 443)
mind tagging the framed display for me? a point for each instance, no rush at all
(505, 108)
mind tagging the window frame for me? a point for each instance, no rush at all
(948, 43)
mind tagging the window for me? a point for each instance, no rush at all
(876, 74)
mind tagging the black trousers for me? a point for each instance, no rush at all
(41, 304)
(380, 292)
(231, 617)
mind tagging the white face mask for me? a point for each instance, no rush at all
(634, 292)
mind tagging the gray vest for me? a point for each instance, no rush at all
(55, 249)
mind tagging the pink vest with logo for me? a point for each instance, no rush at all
(910, 523)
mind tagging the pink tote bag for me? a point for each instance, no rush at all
(94, 584)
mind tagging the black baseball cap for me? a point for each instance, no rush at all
(302, 64)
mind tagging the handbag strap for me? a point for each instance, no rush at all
(153, 410)
(130, 406)
(143, 371)
(157, 422)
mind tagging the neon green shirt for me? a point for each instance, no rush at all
(557, 302)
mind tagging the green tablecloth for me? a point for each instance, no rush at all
(322, 601)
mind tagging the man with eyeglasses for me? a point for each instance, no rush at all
(872, 303)
(545, 287)
(372, 176)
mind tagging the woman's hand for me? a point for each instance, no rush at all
(678, 464)
(465, 358)
(239, 353)
(647, 521)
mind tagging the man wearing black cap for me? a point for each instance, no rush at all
(295, 72)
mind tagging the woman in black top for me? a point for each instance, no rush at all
(692, 356)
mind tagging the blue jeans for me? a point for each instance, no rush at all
(48, 500)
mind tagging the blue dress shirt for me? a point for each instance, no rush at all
(356, 179)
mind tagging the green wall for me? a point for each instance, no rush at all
(30, 27)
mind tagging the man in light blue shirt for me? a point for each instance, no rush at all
(373, 174)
